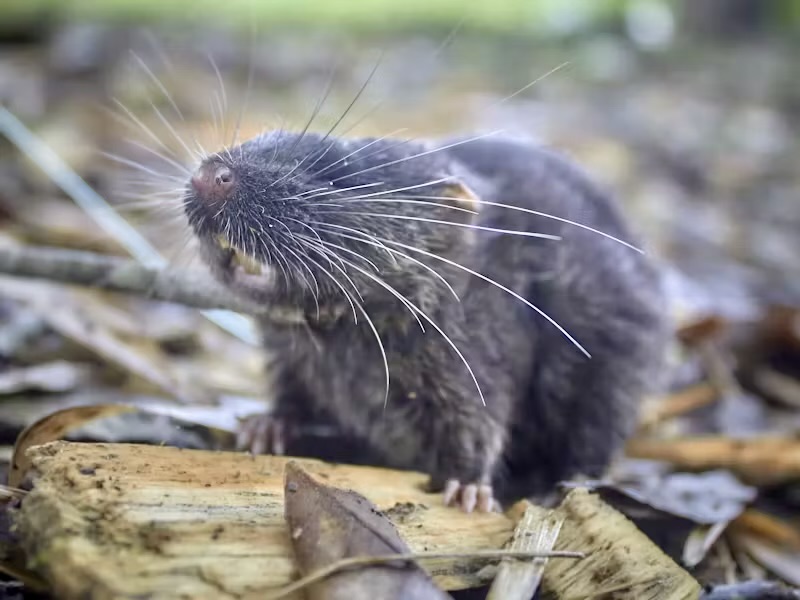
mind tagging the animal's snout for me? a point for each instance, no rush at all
(213, 182)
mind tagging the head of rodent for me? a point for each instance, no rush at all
(311, 221)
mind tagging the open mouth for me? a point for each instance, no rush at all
(238, 257)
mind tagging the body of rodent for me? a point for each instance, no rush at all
(427, 259)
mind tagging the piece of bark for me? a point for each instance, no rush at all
(328, 524)
(621, 562)
(126, 520)
(765, 460)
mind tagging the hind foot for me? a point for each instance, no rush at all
(262, 434)
(470, 496)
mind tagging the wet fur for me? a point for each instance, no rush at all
(551, 413)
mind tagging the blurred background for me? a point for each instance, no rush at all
(688, 111)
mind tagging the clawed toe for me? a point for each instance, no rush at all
(262, 434)
(469, 496)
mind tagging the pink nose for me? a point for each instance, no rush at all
(213, 182)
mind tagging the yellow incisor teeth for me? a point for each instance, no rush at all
(223, 242)
(248, 263)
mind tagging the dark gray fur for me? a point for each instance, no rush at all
(551, 413)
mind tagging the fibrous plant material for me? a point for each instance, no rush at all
(119, 520)
(621, 562)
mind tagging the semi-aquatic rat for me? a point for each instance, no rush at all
(488, 278)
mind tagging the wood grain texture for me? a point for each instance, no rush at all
(621, 563)
(125, 521)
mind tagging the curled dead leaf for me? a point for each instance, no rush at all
(330, 524)
(54, 427)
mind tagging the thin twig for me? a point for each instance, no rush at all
(11, 493)
(191, 288)
(366, 561)
(102, 212)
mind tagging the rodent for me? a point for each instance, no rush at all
(359, 236)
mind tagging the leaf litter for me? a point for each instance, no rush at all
(719, 488)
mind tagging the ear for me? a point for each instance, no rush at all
(464, 197)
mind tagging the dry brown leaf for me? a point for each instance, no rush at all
(328, 524)
(54, 427)
(758, 460)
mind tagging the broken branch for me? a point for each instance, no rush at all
(117, 274)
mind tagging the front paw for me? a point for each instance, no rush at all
(262, 434)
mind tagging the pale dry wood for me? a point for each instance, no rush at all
(621, 562)
(518, 580)
(118, 521)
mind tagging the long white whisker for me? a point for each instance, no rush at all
(393, 251)
(496, 284)
(327, 243)
(294, 239)
(529, 85)
(359, 199)
(339, 120)
(174, 163)
(160, 85)
(355, 231)
(364, 147)
(299, 138)
(400, 189)
(251, 67)
(420, 154)
(532, 212)
(382, 350)
(422, 313)
(307, 192)
(220, 81)
(140, 167)
(531, 234)
(445, 43)
(403, 299)
(348, 296)
(326, 254)
(174, 133)
(138, 122)
(339, 190)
